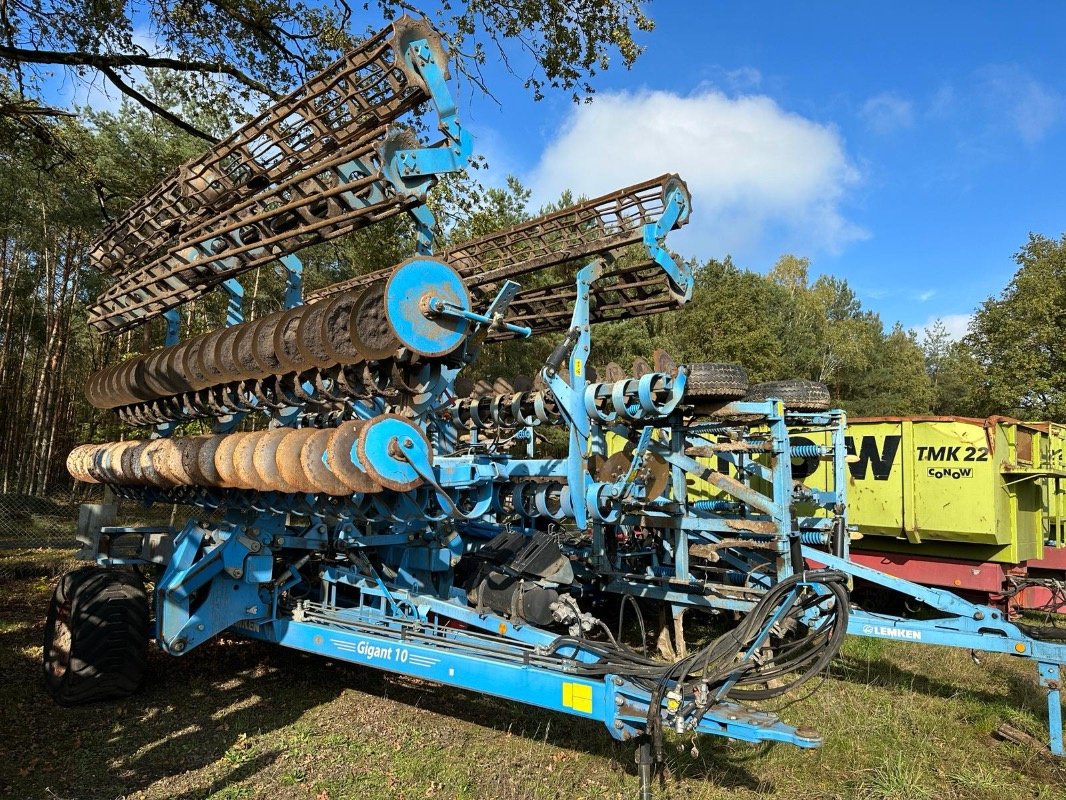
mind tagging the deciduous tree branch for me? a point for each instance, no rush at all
(155, 108)
(101, 61)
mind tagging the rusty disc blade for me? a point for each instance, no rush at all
(169, 463)
(312, 459)
(191, 365)
(132, 463)
(310, 335)
(656, 475)
(371, 332)
(108, 390)
(244, 351)
(155, 378)
(613, 372)
(96, 388)
(464, 387)
(190, 458)
(226, 354)
(263, 346)
(173, 365)
(131, 386)
(285, 342)
(106, 462)
(613, 468)
(92, 388)
(205, 461)
(264, 459)
(663, 362)
(224, 465)
(152, 466)
(128, 458)
(288, 460)
(342, 459)
(96, 465)
(336, 328)
(77, 464)
(640, 367)
(244, 464)
(207, 359)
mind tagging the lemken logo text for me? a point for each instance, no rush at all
(891, 633)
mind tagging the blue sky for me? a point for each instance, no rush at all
(907, 147)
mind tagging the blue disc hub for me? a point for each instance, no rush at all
(386, 447)
(416, 292)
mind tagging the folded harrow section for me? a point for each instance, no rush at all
(322, 163)
(642, 213)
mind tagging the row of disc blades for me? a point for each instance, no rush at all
(345, 329)
(333, 461)
(377, 323)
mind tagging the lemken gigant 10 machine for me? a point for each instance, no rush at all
(358, 499)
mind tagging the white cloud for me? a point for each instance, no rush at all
(762, 179)
(887, 113)
(956, 325)
(1018, 99)
(744, 78)
(924, 296)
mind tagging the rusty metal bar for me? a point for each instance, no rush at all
(602, 225)
(632, 291)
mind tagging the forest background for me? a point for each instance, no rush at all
(63, 176)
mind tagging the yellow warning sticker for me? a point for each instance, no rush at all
(577, 367)
(578, 696)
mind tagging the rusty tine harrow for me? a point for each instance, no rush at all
(600, 226)
(322, 163)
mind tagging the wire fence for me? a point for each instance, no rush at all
(37, 529)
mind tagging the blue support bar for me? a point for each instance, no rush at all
(173, 331)
(293, 269)
(234, 301)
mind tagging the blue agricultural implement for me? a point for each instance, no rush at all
(358, 498)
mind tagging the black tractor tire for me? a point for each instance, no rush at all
(797, 395)
(96, 636)
(709, 382)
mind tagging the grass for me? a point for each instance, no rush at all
(236, 720)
